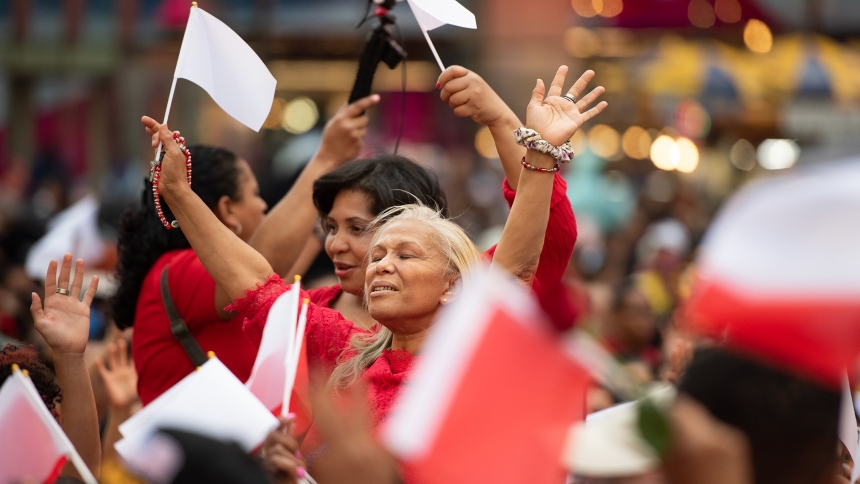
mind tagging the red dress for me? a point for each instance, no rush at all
(554, 258)
(159, 359)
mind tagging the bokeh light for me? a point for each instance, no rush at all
(586, 8)
(636, 143)
(604, 141)
(484, 144)
(611, 8)
(300, 115)
(660, 186)
(692, 119)
(581, 42)
(778, 154)
(688, 155)
(664, 153)
(728, 11)
(579, 141)
(742, 155)
(757, 37)
(273, 120)
(701, 14)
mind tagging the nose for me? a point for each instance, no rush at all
(337, 243)
(385, 266)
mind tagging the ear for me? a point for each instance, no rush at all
(224, 212)
(455, 286)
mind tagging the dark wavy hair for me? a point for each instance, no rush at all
(27, 358)
(142, 238)
(389, 180)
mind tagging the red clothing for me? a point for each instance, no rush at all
(554, 259)
(159, 359)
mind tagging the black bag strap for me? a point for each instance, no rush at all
(179, 328)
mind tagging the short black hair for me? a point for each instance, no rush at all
(389, 181)
(791, 423)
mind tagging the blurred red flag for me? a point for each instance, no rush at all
(492, 395)
(32, 446)
(779, 273)
(173, 14)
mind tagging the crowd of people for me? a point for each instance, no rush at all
(200, 264)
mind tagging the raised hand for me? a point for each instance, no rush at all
(557, 118)
(118, 373)
(64, 320)
(173, 171)
(281, 457)
(471, 96)
(344, 133)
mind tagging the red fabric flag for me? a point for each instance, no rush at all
(779, 273)
(492, 396)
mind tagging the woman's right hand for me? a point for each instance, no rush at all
(173, 174)
(344, 133)
(281, 457)
(470, 95)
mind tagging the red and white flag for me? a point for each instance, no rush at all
(778, 275)
(280, 371)
(492, 396)
(32, 444)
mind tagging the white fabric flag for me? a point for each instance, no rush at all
(269, 374)
(848, 422)
(39, 448)
(432, 14)
(218, 60)
(211, 402)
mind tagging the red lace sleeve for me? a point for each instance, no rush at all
(255, 306)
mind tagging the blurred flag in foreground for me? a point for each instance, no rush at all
(281, 369)
(779, 272)
(492, 395)
(32, 444)
(432, 14)
(210, 402)
(218, 60)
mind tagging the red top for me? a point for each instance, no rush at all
(159, 359)
(554, 258)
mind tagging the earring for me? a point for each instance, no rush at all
(444, 300)
(238, 229)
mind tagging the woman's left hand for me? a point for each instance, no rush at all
(556, 118)
(64, 320)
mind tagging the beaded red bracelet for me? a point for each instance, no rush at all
(531, 167)
(156, 173)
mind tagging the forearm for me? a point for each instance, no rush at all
(287, 228)
(522, 239)
(80, 418)
(116, 416)
(233, 264)
(510, 153)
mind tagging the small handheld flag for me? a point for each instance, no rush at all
(432, 14)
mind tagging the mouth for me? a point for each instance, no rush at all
(378, 289)
(343, 270)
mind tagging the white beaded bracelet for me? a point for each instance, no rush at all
(531, 140)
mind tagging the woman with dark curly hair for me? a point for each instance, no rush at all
(27, 356)
(229, 189)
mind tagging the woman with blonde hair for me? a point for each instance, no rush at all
(416, 258)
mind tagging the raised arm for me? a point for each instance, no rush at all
(64, 321)
(556, 119)
(234, 265)
(471, 96)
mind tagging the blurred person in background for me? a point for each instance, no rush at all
(630, 329)
(229, 189)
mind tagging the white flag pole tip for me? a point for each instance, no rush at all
(433, 49)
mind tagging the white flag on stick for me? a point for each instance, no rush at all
(432, 14)
(33, 445)
(218, 60)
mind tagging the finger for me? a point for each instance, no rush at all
(149, 123)
(453, 87)
(285, 463)
(166, 138)
(78, 280)
(591, 113)
(463, 111)
(459, 98)
(359, 133)
(283, 439)
(35, 305)
(155, 140)
(51, 279)
(122, 352)
(112, 356)
(358, 123)
(103, 371)
(449, 74)
(538, 92)
(583, 103)
(358, 108)
(558, 82)
(91, 291)
(579, 86)
(65, 272)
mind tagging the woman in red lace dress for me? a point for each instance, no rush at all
(416, 258)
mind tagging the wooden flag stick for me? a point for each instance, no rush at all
(296, 355)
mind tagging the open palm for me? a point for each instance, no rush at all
(118, 373)
(64, 320)
(557, 118)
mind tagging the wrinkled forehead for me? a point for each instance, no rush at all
(400, 232)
